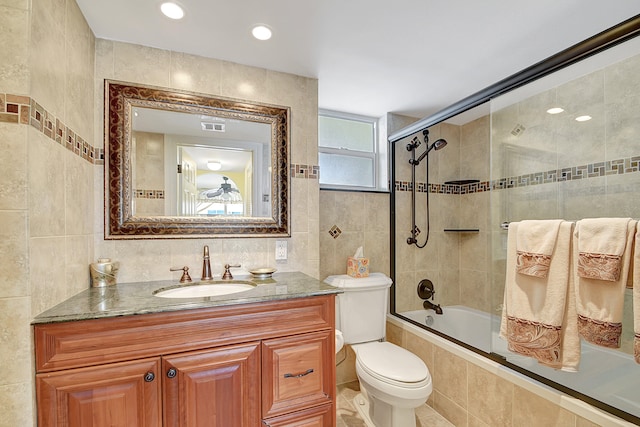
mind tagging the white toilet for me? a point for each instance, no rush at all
(393, 380)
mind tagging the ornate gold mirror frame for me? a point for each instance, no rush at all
(120, 220)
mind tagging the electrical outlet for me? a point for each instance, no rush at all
(281, 250)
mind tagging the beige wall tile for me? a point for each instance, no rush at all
(346, 370)
(77, 260)
(195, 73)
(14, 268)
(80, 64)
(449, 409)
(243, 82)
(14, 69)
(531, 410)
(13, 156)
(47, 47)
(581, 422)
(450, 377)
(490, 397)
(15, 341)
(46, 185)
(421, 348)
(17, 403)
(140, 64)
(47, 272)
(78, 195)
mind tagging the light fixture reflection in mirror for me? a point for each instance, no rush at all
(160, 142)
(214, 165)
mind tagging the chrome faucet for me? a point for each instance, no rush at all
(206, 265)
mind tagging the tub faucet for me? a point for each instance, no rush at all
(206, 265)
(435, 307)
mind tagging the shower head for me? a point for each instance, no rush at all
(437, 145)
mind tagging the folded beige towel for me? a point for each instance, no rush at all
(601, 243)
(636, 296)
(535, 241)
(600, 304)
(538, 316)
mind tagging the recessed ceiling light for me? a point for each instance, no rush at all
(261, 32)
(172, 10)
(214, 165)
(583, 118)
(555, 110)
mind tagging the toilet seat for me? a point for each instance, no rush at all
(393, 365)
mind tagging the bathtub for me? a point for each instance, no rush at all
(607, 375)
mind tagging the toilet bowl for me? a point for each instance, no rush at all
(394, 381)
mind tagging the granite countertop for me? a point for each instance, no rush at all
(128, 299)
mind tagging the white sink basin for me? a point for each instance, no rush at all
(205, 289)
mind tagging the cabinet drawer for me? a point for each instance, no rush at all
(297, 372)
(321, 416)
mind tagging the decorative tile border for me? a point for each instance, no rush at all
(24, 110)
(304, 171)
(592, 170)
(148, 194)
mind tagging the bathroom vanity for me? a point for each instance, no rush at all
(119, 356)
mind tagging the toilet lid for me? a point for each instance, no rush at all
(386, 360)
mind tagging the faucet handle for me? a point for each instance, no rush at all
(185, 273)
(227, 273)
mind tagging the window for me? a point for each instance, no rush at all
(350, 155)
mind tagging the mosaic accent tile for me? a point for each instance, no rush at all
(148, 194)
(305, 171)
(335, 231)
(26, 111)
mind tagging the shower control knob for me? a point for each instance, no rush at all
(426, 289)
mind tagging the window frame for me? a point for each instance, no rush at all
(380, 172)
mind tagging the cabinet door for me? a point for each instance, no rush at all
(297, 373)
(213, 388)
(321, 416)
(115, 395)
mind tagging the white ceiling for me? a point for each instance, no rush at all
(411, 57)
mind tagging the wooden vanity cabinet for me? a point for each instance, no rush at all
(270, 363)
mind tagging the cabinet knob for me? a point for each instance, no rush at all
(302, 374)
(171, 373)
(149, 376)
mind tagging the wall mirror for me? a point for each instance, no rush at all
(185, 165)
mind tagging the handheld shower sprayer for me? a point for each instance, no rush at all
(412, 146)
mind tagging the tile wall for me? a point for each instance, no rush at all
(469, 394)
(46, 187)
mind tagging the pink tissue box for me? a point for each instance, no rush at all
(357, 267)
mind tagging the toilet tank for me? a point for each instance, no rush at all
(361, 311)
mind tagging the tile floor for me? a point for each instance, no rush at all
(347, 415)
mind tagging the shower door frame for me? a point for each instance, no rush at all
(618, 34)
